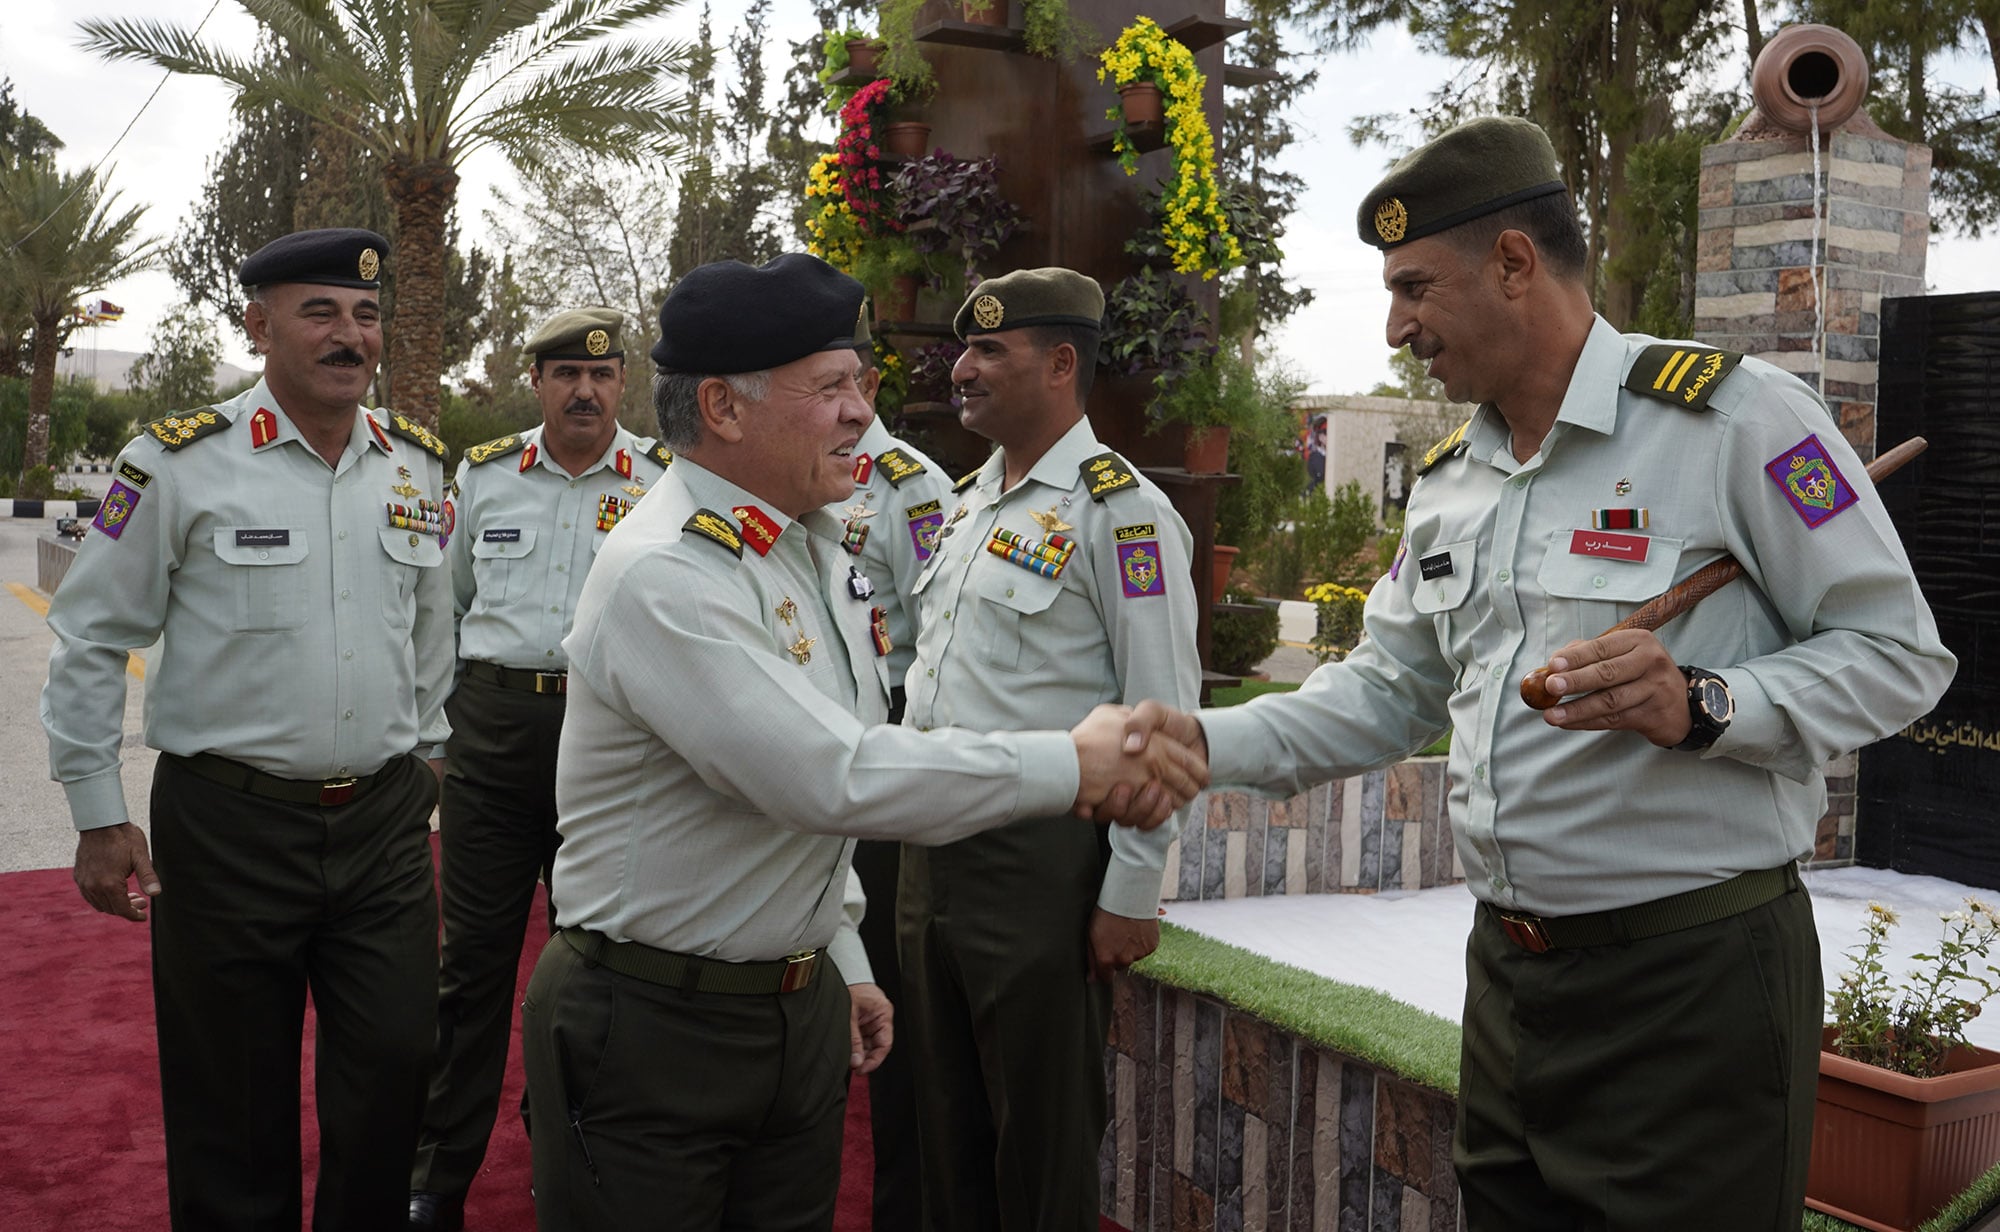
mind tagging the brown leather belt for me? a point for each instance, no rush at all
(691, 973)
(517, 678)
(325, 793)
(1540, 934)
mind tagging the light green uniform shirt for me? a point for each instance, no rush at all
(906, 499)
(524, 542)
(1826, 642)
(707, 769)
(1003, 648)
(302, 633)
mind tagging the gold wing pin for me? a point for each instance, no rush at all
(802, 650)
(1049, 522)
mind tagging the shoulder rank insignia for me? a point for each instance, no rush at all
(711, 525)
(178, 431)
(1449, 447)
(1684, 376)
(479, 455)
(898, 466)
(966, 480)
(661, 454)
(1106, 473)
(411, 430)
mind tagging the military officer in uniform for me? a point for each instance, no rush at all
(531, 511)
(688, 1034)
(891, 525)
(287, 547)
(1642, 1015)
(1060, 581)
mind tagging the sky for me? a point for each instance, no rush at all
(1335, 344)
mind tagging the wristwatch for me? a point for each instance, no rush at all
(1710, 707)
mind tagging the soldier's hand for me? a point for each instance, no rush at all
(1116, 942)
(871, 1026)
(106, 860)
(1155, 780)
(1144, 719)
(1629, 682)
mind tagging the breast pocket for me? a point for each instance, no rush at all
(270, 587)
(1009, 601)
(408, 554)
(500, 566)
(1587, 594)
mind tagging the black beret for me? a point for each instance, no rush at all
(727, 317)
(1051, 295)
(1478, 168)
(580, 333)
(331, 257)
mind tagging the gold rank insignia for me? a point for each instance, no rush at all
(1391, 220)
(409, 429)
(1106, 473)
(1450, 446)
(480, 454)
(713, 526)
(898, 466)
(175, 431)
(989, 311)
(1685, 376)
(597, 342)
(660, 454)
(788, 611)
(370, 264)
(405, 489)
(802, 650)
(1049, 522)
(634, 489)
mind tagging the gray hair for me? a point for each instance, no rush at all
(679, 411)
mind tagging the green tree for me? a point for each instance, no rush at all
(178, 369)
(1256, 131)
(1409, 378)
(21, 136)
(728, 186)
(70, 238)
(420, 86)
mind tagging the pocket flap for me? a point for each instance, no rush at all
(1568, 573)
(1017, 588)
(1444, 575)
(260, 545)
(412, 547)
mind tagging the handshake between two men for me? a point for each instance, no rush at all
(1136, 765)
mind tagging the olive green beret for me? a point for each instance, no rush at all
(1047, 296)
(1476, 169)
(580, 333)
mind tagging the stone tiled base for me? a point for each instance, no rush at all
(1222, 1121)
(1386, 830)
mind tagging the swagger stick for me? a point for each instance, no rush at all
(1703, 582)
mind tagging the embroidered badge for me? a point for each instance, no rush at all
(1608, 545)
(275, 537)
(926, 520)
(497, 448)
(898, 466)
(759, 531)
(133, 475)
(415, 431)
(1811, 482)
(177, 430)
(1106, 473)
(500, 534)
(1139, 568)
(611, 510)
(711, 525)
(1046, 558)
(1685, 376)
(1620, 519)
(878, 628)
(116, 509)
(263, 428)
(1434, 566)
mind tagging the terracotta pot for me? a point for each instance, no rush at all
(1205, 451)
(1889, 1150)
(1225, 560)
(861, 57)
(1142, 104)
(910, 138)
(1803, 65)
(899, 301)
(994, 14)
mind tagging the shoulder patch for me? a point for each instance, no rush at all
(661, 454)
(711, 525)
(1684, 376)
(411, 430)
(134, 475)
(1445, 448)
(966, 480)
(1106, 473)
(480, 455)
(178, 431)
(898, 466)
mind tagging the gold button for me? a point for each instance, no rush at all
(413, 541)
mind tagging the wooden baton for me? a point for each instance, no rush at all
(1703, 582)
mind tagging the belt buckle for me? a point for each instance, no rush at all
(551, 682)
(799, 970)
(338, 791)
(1526, 932)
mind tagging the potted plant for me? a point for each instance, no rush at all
(846, 47)
(984, 12)
(1909, 1113)
(1052, 32)
(901, 59)
(1337, 619)
(953, 205)
(1151, 324)
(893, 270)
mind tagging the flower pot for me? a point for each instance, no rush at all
(910, 138)
(898, 302)
(1225, 560)
(1205, 451)
(993, 13)
(1141, 103)
(1888, 1150)
(861, 55)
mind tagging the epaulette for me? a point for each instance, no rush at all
(1684, 376)
(178, 431)
(712, 525)
(411, 430)
(967, 480)
(1450, 446)
(661, 454)
(1106, 473)
(480, 455)
(898, 466)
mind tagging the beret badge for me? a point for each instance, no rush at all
(988, 311)
(597, 342)
(370, 263)
(1391, 220)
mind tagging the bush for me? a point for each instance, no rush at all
(1241, 638)
(463, 423)
(37, 483)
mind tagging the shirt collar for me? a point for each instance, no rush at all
(712, 491)
(620, 439)
(1600, 365)
(1058, 467)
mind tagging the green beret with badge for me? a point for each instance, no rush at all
(580, 333)
(329, 256)
(1047, 296)
(1481, 167)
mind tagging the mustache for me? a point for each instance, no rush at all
(582, 404)
(342, 355)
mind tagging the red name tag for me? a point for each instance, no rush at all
(1605, 543)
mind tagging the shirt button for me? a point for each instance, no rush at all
(555, 609)
(1499, 883)
(561, 568)
(1521, 482)
(947, 615)
(549, 654)
(343, 594)
(1598, 581)
(565, 525)
(347, 714)
(1503, 575)
(930, 671)
(1479, 772)
(346, 654)
(263, 556)
(343, 534)
(1010, 592)
(1498, 671)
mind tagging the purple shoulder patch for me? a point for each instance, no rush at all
(116, 509)
(1811, 482)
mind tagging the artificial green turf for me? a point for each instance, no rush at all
(1361, 1022)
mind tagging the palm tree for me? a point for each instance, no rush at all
(423, 84)
(66, 240)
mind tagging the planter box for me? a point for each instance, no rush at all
(1889, 1150)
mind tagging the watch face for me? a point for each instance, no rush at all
(1716, 700)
